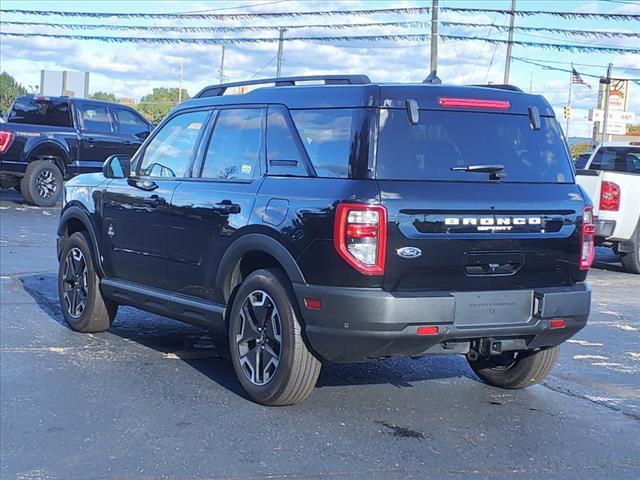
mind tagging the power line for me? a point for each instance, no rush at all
(574, 63)
(292, 14)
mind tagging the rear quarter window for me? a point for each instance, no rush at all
(617, 159)
(446, 139)
(41, 112)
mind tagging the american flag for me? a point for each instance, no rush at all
(576, 78)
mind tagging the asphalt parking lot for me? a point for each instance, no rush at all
(153, 398)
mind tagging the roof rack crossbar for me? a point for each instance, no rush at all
(218, 90)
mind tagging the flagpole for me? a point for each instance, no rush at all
(566, 131)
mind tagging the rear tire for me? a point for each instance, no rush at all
(631, 260)
(268, 353)
(515, 370)
(42, 184)
(82, 303)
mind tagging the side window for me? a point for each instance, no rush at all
(95, 118)
(170, 151)
(236, 145)
(326, 135)
(283, 153)
(129, 122)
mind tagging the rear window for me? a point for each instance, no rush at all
(41, 112)
(617, 159)
(443, 140)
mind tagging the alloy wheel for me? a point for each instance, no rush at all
(46, 183)
(74, 282)
(259, 337)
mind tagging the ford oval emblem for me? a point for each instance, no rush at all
(409, 252)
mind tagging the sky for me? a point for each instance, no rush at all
(133, 70)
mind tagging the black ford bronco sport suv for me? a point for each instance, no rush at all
(341, 221)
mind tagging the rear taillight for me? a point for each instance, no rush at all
(587, 250)
(360, 236)
(609, 196)
(5, 140)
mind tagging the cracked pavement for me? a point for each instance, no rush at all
(157, 399)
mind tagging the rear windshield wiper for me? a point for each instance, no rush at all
(496, 171)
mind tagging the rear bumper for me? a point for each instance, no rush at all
(605, 228)
(357, 324)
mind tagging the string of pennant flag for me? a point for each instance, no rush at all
(329, 13)
(329, 26)
(349, 38)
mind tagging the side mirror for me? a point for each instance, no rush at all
(117, 166)
(143, 135)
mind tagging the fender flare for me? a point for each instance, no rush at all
(76, 213)
(58, 147)
(255, 242)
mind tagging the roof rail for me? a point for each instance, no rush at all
(499, 86)
(217, 90)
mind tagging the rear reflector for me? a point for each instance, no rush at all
(557, 323)
(313, 303)
(427, 331)
(474, 103)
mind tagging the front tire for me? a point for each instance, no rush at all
(631, 260)
(41, 184)
(83, 306)
(268, 353)
(514, 370)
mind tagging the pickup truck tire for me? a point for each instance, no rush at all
(83, 306)
(515, 370)
(268, 353)
(631, 260)
(42, 183)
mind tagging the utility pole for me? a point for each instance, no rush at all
(280, 53)
(606, 82)
(181, 75)
(434, 36)
(531, 81)
(568, 109)
(222, 66)
(507, 64)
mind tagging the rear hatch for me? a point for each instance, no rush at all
(457, 230)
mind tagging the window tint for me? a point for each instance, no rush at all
(236, 144)
(170, 151)
(617, 159)
(326, 135)
(443, 140)
(95, 118)
(129, 122)
(283, 154)
(41, 112)
(582, 160)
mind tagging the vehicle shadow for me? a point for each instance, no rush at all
(209, 354)
(607, 260)
(11, 195)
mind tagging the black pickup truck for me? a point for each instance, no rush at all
(48, 139)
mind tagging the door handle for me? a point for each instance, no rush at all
(127, 142)
(226, 207)
(91, 141)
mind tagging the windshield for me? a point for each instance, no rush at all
(443, 140)
(41, 112)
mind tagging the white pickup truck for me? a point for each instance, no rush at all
(611, 177)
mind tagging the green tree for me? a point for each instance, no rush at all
(633, 128)
(9, 90)
(157, 104)
(107, 97)
(578, 149)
